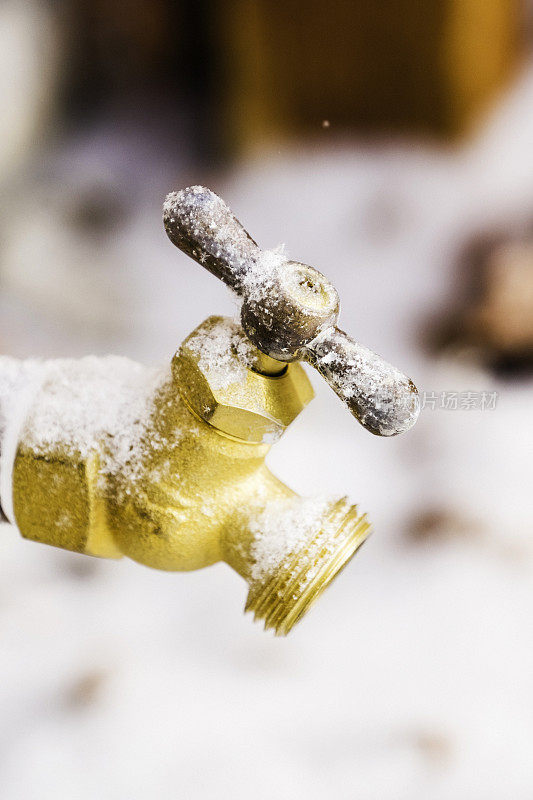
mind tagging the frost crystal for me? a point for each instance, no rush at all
(215, 347)
(283, 529)
(77, 406)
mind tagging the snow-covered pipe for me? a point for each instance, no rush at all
(20, 382)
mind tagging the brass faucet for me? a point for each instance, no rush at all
(186, 486)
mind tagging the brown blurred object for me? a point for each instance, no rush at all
(149, 60)
(117, 53)
(495, 314)
(86, 690)
(428, 68)
(503, 318)
(439, 524)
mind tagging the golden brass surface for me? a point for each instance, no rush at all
(199, 486)
(254, 407)
(57, 501)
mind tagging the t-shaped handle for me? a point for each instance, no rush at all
(289, 310)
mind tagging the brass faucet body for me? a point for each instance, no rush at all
(200, 491)
(194, 489)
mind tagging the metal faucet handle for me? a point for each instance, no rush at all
(290, 310)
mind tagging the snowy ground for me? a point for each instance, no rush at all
(412, 676)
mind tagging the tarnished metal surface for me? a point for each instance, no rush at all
(290, 310)
(381, 397)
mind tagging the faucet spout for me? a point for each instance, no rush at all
(289, 548)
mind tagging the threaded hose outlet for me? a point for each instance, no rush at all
(284, 594)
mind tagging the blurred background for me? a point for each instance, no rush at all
(391, 146)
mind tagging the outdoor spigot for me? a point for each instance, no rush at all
(104, 457)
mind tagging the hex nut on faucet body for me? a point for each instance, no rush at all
(219, 387)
